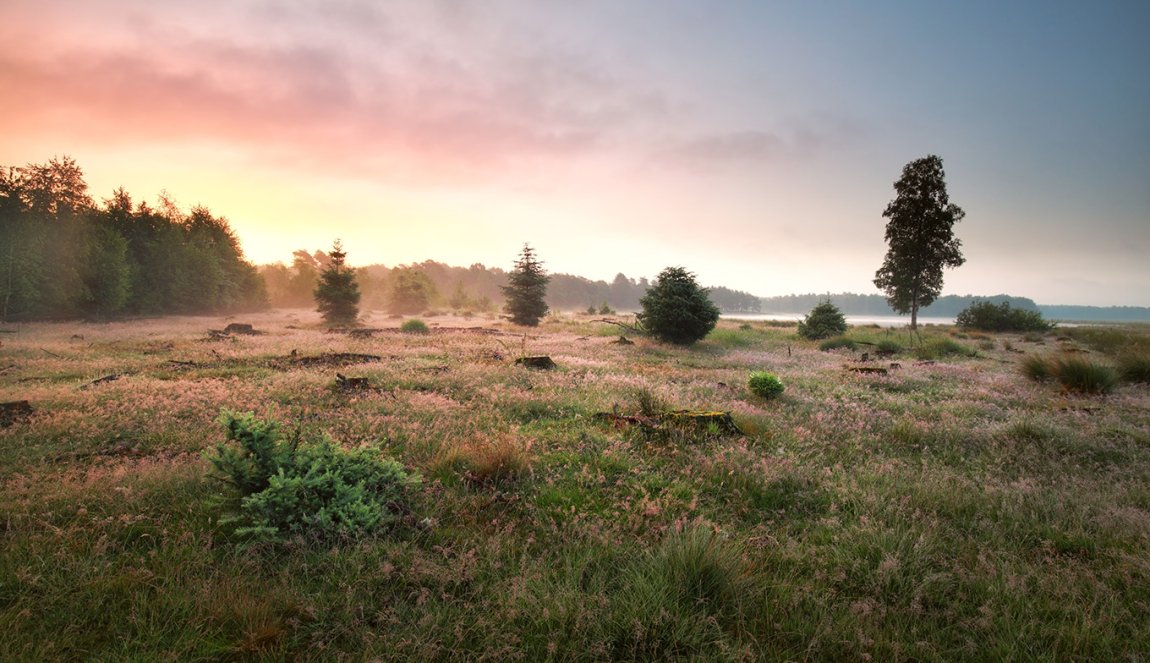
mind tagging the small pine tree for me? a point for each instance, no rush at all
(337, 293)
(676, 309)
(526, 290)
(824, 320)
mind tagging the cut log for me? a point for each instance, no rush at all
(542, 362)
(334, 359)
(876, 370)
(240, 328)
(623, 340)
(15, 411)
(722, 420)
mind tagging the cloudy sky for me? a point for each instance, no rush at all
(755, 143)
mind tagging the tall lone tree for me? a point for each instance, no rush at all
(526, 290)
(920, 236)
(337, 293)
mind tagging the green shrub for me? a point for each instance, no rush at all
(414, 326)
(836, 343)
(1084, 376)
(317, 490)
(824, 320)
(765, 384)
(1134, 368)
(988, 316)
(676, 310)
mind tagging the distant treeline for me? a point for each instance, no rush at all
(475, 288)
(949, 306)
(853, 304)
(62, 256)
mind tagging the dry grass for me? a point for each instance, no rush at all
(949, 510)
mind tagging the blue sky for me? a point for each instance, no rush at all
(754, 143)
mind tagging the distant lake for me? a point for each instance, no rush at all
(880, 320)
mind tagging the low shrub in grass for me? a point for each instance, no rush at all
(318, 490)
(1084, 376)
(888, 345)
(414, 326)
(824, 320)
(836, 343)
(1075, 374)
(1134, 368)
(940, 348)
(765, 384)
(1036, 367)
(988, 316)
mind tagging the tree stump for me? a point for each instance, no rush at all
(722, 420)
(875, 370)
(240, 328)
(14, 411)
(542, 362)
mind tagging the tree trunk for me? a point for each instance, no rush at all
(914, 316)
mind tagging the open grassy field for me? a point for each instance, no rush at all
(950, 509)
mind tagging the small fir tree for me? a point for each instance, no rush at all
(824, 320)
(676, 309)
(526, 290)
(337, 293)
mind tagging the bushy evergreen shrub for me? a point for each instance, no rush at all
(988, 316)
(824, 320)
(414, 326)
(676, 309)
(765, 384)
(317, 490)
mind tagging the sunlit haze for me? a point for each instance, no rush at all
(754, 143)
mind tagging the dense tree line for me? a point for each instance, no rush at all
(475, 288)
(63, 256)
(855, 304)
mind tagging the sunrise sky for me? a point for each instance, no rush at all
(754, 143)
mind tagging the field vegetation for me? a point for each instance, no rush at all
(946, 507)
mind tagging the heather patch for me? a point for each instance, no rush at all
(950, 509)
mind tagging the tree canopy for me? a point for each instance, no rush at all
(526, 289)
(920, 238)
(63, 256)
(337, 293)
(676, 309)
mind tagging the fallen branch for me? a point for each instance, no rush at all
(107, 378)
(49, 352)
(877, 370)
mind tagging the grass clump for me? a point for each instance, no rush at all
(1134, 368)
(836, 343)
(317, 490)
(940, 348)
(1075, 374)
(765, 385)
(414, 326)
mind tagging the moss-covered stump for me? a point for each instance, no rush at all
(721, 420)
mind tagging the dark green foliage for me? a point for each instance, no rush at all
(316, 490)
(765, 384)
(824, 320)
(414, 326)
(987, 316)
(676, 309)
(920, 238)
(337, 293)
(526, 290)
(61, 256)
(411, 291)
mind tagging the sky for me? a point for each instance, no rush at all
(754, 143)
